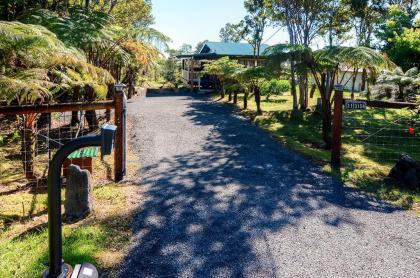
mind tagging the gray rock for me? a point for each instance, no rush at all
(406, 171)
(411, 178)
(78, 203)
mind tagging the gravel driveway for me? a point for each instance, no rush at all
(223, 199)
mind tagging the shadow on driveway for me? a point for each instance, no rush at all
(208, 212)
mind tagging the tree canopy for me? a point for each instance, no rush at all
(94, 44)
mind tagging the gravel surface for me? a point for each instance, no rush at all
(224, 199)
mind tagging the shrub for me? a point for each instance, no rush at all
(398, 85)
(275, 87)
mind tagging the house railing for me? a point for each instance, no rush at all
(188, 75)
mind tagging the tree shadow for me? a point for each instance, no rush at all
(205, 211)
(167, 93)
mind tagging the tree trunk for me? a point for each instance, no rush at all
(222, 90)
(326, 124)
(326, 111)
(74, 118)
(44, 120)
(353, 83)
(92, 120)
(44, 4)
(75, 114)
(293, 84)
(257, 96)
(28, 135)
(401, 93)
(230, 96)
(303, 91)
(313, 88)
(131, 90)
(364, 77)
(246, 99)
(109, 95)
(235, 97)
(130, 80)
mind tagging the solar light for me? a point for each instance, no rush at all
(119, 87)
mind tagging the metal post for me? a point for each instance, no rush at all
(337, 128)
(119, 155)
(57, 268)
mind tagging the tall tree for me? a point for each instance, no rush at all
(136, 13)
(329, 59)
(336, 26)
(392, 31)
(254, 24)
(304, 20)
(185, 49)
(365, 15)
(406, 47)
(200, 45)
(230, 33)
(255, 78)
(224, 69)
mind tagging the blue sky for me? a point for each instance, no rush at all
(192, 21)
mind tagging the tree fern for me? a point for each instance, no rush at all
(38, 65)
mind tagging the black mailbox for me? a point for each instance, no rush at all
(57, 268)
(108, 138)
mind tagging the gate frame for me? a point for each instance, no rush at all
(339, 102)
(119, 105)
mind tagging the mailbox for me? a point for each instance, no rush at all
(57, 268)
(108, 138)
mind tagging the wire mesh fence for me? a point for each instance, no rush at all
(383, 133)
(29, 141)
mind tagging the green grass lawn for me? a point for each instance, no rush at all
(101, 239)
(364, 166)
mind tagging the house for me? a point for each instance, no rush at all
(345, 77)
(192, 64)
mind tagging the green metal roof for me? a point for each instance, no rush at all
(85, 152)
(214, 50)
(230, 49)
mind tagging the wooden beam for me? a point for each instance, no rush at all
(388, 104)
(337, 129)
(58, 107)
(120, 137)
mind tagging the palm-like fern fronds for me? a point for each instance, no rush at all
(80, 28)
(22, 91)
(37, 65)
(143, 54)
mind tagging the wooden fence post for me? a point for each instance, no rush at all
(119, 153)
(337, 127)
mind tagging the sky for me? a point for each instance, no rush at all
(192, 21)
